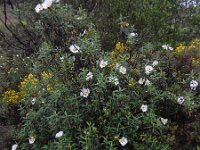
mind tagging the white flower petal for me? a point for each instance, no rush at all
(59, 134)
(180, 100)
(155, 63)
(148, 69)
(62, 58)
(144, 108)
(171, 48)
(85, 92)
(38, 8)
(164, 121)
(33, 101)
(141, 81)
(193, 85)
(123, 141)
(89, 76)
(47, 3)
(31, 140)
(14, 147)
(167, 47)
(74, 48)
(103, 64)
(132, 35)
(122, 70)
(147, 82)
(113, 80)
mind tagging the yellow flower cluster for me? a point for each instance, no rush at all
(194, 44)
(29, 80)
(119, 48)
(11, 96)
(49, 87)
(195, 61)
(46, 75)
(180, 48)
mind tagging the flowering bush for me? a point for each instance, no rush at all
(188, 56)
(11, 96)
(75, 95)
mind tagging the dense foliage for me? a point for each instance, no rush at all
(102, 75)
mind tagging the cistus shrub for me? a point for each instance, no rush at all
(77, 96)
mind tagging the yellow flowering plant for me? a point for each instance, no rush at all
(188, 56)
(46, 75)
(11, 96)
(29, 85)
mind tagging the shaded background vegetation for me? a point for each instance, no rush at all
(154, 20)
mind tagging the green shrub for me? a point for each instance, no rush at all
(75, 95)
(96, 110)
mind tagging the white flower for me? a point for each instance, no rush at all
(164, 121)
(85, 92)
(167, 47)
(147, 82)
(123, 141)
(171, 48)
(74, 48)
(47, 3)
(103, 64)
(144, 81)
(141, 81)
(62, 58)
(38, 8)
(31, 140)
(33, 101)
(155, 63)
(14, 147)
(114, 80)
(122, 70)
(89, 76)
(193, 84)
(144, 108)
(180, 100)
(59, 134)
(132, 35)
(148, 69)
